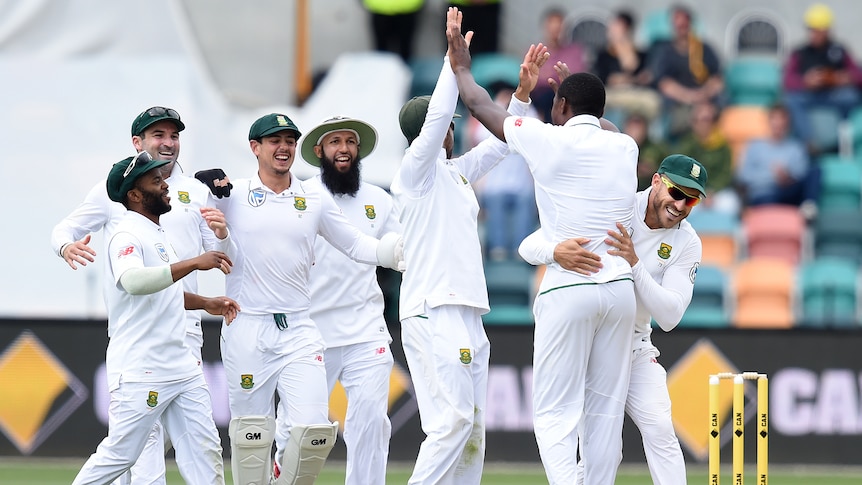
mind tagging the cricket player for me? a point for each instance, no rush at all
(664, 279)
(274, 346)
(443, 292)
(153, 373)
(346, 300)
(156, 131)
(585, 179)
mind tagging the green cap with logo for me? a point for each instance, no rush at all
(153, 115)
(121, 178)
(270, 124)
(684, 171)
(412, 116)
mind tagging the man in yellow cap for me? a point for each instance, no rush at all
(819, 73)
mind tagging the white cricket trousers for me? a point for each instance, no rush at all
(447, 352)
(581, 368)
(649, 406)
(185, 410)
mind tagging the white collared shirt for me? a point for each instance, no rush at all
(274, 235)
(585, 179)
(346, 301)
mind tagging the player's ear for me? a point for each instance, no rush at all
(318, 150)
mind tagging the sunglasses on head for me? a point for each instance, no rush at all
(162, 111)
(144, 157)
(678, 194)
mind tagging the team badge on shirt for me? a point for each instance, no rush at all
(163, 253)
(463, 179)
(246, 381)
(153, 399)
(664, 250)
(184, 197)
(256, 198)
(693, 273)
(466, 358)
(299, 203)
(369, 212)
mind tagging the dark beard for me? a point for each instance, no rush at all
(340, 183)
(154, 204)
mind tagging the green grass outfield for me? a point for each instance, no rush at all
(39, 471)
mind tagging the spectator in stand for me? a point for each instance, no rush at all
(393, 23)
(622, 67)
(776, 169)
(483, 18)
(706, 143)
(650, 153)
(506, 193)
(687, 71)
(561, 50)
(820, 73)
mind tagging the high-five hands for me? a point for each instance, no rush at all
(459, 46)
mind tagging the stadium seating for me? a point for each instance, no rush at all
(753, 81)
(509, 292)
(719, 234)
(489, 68)
(708, 303)
(826, 126)
(828, 293)
(855, 121)
(741, 124)
(838, 233)
(775, 231)
(425, 73)
(763, 290)
(841, 184)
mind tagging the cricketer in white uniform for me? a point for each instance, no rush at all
(664, 279)
(153, 373)
(346, 300)
(274, 346)
(585, 182)
(443, 292)
(155, 131)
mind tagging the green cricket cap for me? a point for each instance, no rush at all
(270, 124)
(412, 116)
(153, 115)
(122, 177)
(684, 171)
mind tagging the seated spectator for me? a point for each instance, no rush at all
(706, 143)
(622, 67)
(572, 54)
(820, 73)
(687, 71)
(506, 193)
(776, 170)
(650, 153)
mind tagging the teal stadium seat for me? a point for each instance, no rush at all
(425, 72)
(826, 125)
(829, 289)
(510, 286)
(841, 184)
(490, 68)
(708, 300)
(838, 233)
(855, 120)
(753, 81)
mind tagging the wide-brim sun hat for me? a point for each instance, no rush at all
(366, 133)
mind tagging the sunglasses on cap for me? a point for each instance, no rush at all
(156, 111)
(144, 157)
(678, 194)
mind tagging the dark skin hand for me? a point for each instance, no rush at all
(219, 306)
(207, 260)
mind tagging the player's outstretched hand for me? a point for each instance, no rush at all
(621, 240)
(222, 305)
(216, 180)
(213, 259)
(459, 46)
(562, 70)
(571, 255)
(215, 220)
(534, 59)
(79, 252)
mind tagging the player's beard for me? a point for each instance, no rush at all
(154, 203)
(339, 183)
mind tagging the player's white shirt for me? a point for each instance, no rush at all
(665, 272)
(439, 212)
(186, 228)
(149, 331)
(664, 275)
(274, 236)
(346, 301)
(585, 179)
